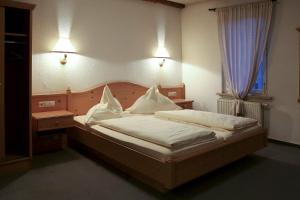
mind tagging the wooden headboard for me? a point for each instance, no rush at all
(80, 102)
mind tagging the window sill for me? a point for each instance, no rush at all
(250, 97)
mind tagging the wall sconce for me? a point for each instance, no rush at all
(162, 53)
(64, 46)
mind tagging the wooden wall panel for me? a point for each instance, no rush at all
(178, 92)
(60, 102)
(126, 93)
(80, 102)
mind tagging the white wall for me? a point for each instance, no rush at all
(202, 68)
(201, 59)
(115, 40)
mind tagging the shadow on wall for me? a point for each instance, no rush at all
(202, 84)
(120, 41)
(65, 15)
(283, 129)
(126, 35)
(110, 45)
(112, 36)
(148, 71)
(82, 72)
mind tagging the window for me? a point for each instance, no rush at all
(260, 83)
(243, 36)
(259, 87)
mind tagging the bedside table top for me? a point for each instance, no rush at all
(52, 114)
(182, 101)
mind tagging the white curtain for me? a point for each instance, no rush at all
(243, 34)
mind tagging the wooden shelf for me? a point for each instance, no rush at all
(16, 34)
(52, 114)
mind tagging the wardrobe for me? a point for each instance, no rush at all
(15, 85)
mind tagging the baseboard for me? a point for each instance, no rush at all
(284, 143)
(13, 167)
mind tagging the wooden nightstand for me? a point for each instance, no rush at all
(184, 103)
(49, 130)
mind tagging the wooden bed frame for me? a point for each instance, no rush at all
(163, 176)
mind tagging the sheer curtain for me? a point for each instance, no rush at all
(243, 34)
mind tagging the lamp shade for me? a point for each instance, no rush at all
(64, 45)
(162, 52)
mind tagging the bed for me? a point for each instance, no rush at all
(154, 164)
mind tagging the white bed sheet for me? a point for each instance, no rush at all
(158, 152)
(170, 134)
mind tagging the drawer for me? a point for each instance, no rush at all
(54, 123)
(47, 143)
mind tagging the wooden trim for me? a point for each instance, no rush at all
(16, 4)
(20, 165)
(8, 161)
(298, 29)
(52, 114)
(16, 34)
(168, 175)
(30, 85)
(22, 160)
(168, 3)
(2, 107)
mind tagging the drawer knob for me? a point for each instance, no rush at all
(56, 123)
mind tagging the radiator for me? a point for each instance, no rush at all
(252, 110)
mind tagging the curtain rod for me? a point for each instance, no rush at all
(214, 9)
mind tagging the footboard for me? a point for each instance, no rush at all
(165, 176)
(153, 172)
(226, 153)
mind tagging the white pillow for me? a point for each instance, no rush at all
(108, 108)
(151, 102)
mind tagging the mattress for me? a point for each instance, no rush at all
(159, 152)
(167, 133)
(209, 119)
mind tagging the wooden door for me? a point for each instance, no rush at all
(2, 107)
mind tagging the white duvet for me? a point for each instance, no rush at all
(166, 133)
(214, 120)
